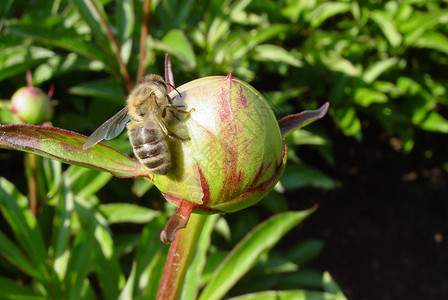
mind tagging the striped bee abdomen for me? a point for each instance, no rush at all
(151, 148)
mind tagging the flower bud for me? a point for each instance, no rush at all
(235, 155)
(31, 105)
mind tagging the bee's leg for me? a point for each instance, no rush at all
(172, 134)
(173, 108)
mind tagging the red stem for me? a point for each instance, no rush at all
(179, 258)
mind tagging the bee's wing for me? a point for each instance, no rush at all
(110, 129)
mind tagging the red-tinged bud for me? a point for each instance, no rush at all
(235, 155)
(31, 105)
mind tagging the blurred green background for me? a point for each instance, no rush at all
(376, 164)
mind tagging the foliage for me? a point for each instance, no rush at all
(376, 61)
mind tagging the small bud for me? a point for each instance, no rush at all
(31, 105)
(235, 155)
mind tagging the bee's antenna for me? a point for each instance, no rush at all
(174, 88)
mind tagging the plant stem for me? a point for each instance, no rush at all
(143, 34)
(32, 173)
(179, 258)
(123, 70)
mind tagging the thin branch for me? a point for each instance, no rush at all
(143, 35)
(116, 48)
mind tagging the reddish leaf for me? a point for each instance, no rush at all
(66, 146)
(302, 119)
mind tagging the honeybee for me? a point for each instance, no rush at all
(146, 111)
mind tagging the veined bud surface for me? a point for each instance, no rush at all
(31, 105)
(236, 153)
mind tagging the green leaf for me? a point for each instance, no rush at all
(287, 295)
(12, 290)
(193, 278)
(254, 38)
(327, 10)
(378, 68)
(16, 60)
(65, 39)
(79, 263)
(305, 251)
(331, 286)
(348, 121)
(125, 26)
(248, 251)
(14, 255)
(93, 14)
(387, 26)
(367, 96)
(272, 53)
(108, 89)
(434, 122)
(336, 63)
(179, 45)
(149, 260)
(62, 231)
(59, 64)
(66, 146)
(141, 186)
(299, 176)
(106, 261)
(124, 212)
(86, 182)
(25, 228)
(433, 40)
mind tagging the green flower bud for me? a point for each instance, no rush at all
(235, 155)
(31, 105)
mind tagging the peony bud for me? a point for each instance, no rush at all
(235, 155)
(31, 105)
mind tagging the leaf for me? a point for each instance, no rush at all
(14, 255)
(65, 39)
(179, 45)
(16, 60)
(141, 186)
(272, 53)
(433, 40)
(66, 146)
(367, 96)
(79, 263)
(124, 212)
(254, 38)
(248, 251)
(376, 69)
(149, 260)
(336, 63)
(348, 121)
(93, 14)
(434, 122)
(108, 89)
(125, 26)
(62, 231)
(387, 26)
(302, 119)
(287, 295)
(326, 10)
(24, 226)
(86, 182)
(305, 251)
(59, 64)
(12, 290)
(299, 176)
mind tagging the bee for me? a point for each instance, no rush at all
(145, 114)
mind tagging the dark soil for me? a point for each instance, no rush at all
(386, 229)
